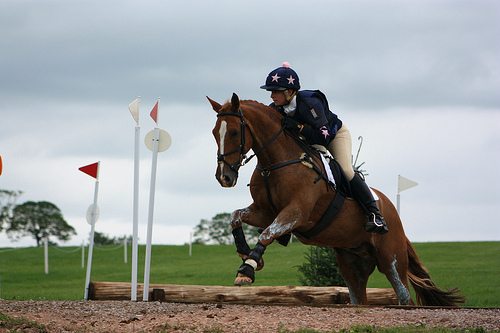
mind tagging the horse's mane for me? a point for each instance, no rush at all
(264, 110)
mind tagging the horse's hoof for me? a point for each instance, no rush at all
(242, 280)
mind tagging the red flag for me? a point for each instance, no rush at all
(90, 169)
(1, 166)
(154, 113)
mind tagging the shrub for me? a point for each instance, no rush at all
(321, 268)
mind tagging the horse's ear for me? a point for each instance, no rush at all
(235, 103)
(216, 106)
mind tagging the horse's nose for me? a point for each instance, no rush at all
(226, 180)
(226, 177)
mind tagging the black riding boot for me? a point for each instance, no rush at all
(362, 193)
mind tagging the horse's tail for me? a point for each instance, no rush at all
(426, 291)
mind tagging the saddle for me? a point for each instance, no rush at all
(340, 181)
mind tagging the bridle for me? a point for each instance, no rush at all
(243, 157)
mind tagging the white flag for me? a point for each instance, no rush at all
(405, 183)
(134, 109)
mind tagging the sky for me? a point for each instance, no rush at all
(418, 80)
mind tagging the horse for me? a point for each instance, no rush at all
(289, 196)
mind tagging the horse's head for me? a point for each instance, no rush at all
(233, 139)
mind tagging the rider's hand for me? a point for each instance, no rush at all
(291, 124)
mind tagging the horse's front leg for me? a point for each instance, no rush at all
(283, 224)
(239, 236)
(250, 216)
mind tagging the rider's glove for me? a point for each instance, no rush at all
(291, 124)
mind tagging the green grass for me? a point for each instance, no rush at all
(20, 324)
(398, 329)
(472, 266)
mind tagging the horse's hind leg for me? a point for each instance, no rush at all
(392, 261)
(395, 271)
(398, 280)
(356, 265)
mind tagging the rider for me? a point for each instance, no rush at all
(307, 112)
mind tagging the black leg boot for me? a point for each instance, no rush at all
(362, 193)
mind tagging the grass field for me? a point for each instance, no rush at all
(471, 266)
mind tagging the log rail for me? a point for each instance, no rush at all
(255, 295)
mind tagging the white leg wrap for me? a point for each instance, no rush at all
(252, 263)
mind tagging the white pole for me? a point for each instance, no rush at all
(89, 261)
(190, 244)
(46, 255)
(398, 203)
(83, 253)
(92, 230)
(134, 110)
(145, 295)
(136, 214)
(125, 245)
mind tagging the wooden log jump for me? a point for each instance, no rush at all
(268, 295)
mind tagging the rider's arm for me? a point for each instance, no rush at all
(315, 122)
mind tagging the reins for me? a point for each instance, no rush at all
(265, 145)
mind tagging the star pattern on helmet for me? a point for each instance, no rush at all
(290, 80)
(275, 77)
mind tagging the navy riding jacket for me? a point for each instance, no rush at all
(312, 111)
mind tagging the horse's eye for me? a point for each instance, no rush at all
(234, 133)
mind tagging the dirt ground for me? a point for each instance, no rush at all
(126, 316)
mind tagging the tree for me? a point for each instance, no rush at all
(39, 220)
(7, 200)
(103, 239)
(219, 231)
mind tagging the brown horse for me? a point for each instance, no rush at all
(288, 197)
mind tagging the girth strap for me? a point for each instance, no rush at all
(265, 174)
(326, 219)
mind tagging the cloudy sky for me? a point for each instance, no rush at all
(419, 80)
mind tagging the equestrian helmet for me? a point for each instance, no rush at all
(282, 78)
